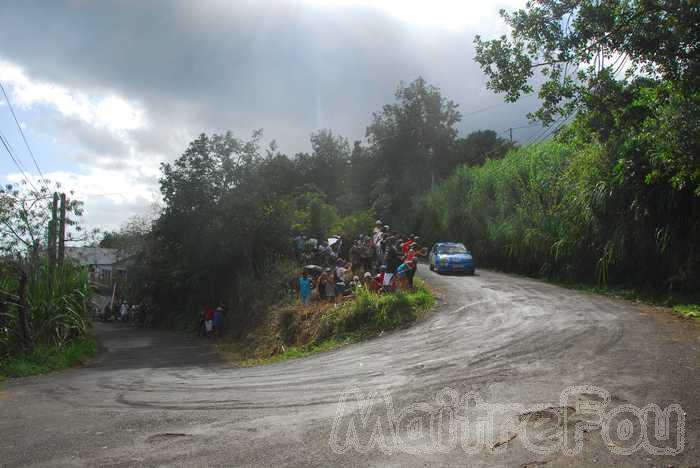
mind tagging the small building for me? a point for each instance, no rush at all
(105, 266)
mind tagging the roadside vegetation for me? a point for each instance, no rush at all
(293, 331)
(44, 298)
(691, 311)
(613, 199)
(46, 358)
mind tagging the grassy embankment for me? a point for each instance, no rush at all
(44, 359)
(297, 331)
(686, 305)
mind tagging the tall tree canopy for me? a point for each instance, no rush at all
(631, 66)
(577, 45)
(412, 139)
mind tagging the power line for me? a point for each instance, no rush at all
(551, 129)
(19, 127)
(510, 129)
(12, 151)
(17, 163)
(555, 130)
(496, 105)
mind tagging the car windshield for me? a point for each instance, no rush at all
(451, 249)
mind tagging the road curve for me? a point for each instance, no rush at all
(506, 371)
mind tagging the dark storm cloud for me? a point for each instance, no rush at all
(283, 66)
(98, 141)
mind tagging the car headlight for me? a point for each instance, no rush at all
(442, 260)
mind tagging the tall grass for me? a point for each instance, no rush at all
(57, 307)
(557, 209)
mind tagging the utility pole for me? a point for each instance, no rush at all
(52, 233)
(62, 231)
(511, 134)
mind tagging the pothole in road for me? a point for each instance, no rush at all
(165, 436)
(534, 464)
(551, 413)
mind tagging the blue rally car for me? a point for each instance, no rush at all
(451, 256)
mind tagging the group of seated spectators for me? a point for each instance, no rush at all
(382, 262)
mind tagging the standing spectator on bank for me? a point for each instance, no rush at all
(393, 260)
(403, 273)
(321, 285)
(355, 256)
(366, 255)
(305, 287)
(340, 287)
(380, 248)
(377, 227)
(406, 245)
(330, 285)
(377, 235)
(340, 269)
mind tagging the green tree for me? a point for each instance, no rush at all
(412, 140)
(477, 147)
(327, 167)
(629, 71)
(579, 45)
(362, 174)
(223, 221)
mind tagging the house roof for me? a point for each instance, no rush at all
(95, 255)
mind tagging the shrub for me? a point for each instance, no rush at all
(45, 358)
(371, 313)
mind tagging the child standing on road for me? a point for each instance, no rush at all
(208, 320)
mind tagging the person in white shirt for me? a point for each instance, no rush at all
(124, 312)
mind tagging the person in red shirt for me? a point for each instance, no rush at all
(410, 254)
(406, 245)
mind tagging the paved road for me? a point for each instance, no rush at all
(495, 377)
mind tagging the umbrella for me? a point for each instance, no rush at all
(313, 269)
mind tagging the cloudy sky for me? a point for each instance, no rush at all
(107, 90)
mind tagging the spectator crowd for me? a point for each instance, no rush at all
(381, 262)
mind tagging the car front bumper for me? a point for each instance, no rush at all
(457, 267)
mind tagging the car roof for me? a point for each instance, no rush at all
(448, 243)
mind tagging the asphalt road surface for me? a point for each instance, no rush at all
(506, 372)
